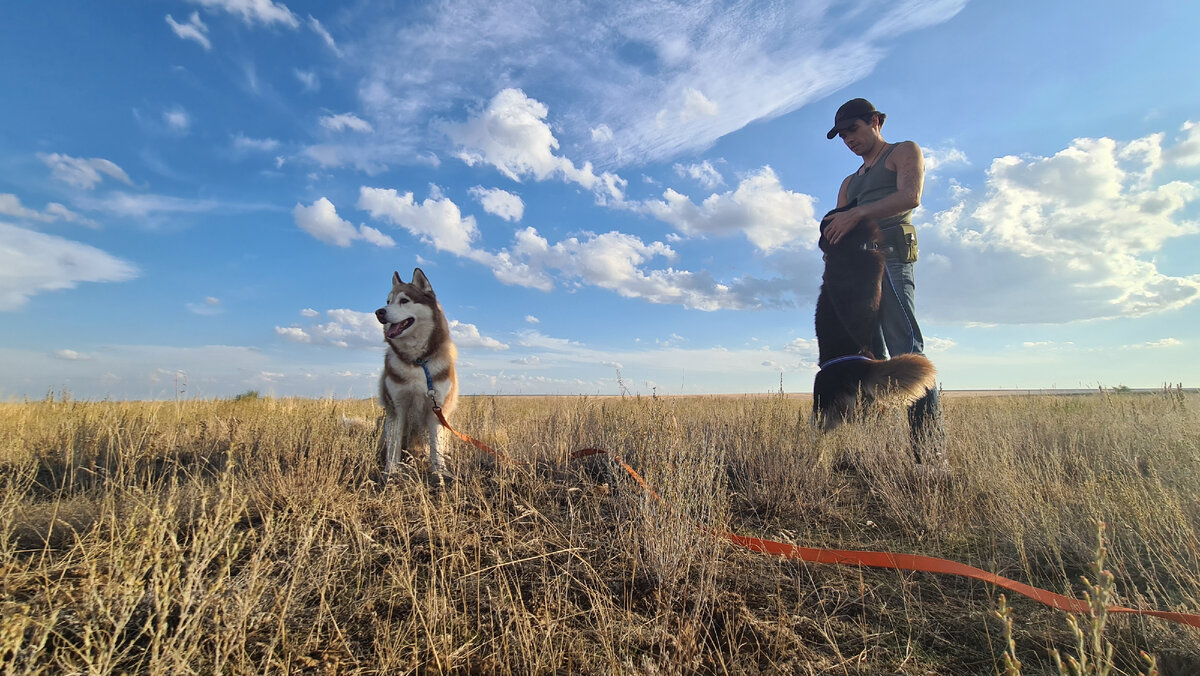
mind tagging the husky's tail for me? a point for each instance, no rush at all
(906, 377)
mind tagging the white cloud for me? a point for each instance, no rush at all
(802, 346)
(308, 79)
(703, 173)
(10, 205)
(530, 319)
(767, 214)
(294, 334)
(160, 372)
(82, 173)
(1156, 344)
(309, 312)
(243, 143)
(512, 136)
(436, 220)
(344, 121)
(208, 307)
(934, 345)
(70, 355)
(693, 105)
(937, 158)
(345, 329)
(467, 336)
(251, 12)
(1067, 237)
(317, 28)
(193, 30)
(143, 206)
(663, 78)
(499, 202)
(322, 222)
(613, 261)
(33, 262)
(375, 237)
(1186, 153)
(359, 330)
(177, 120)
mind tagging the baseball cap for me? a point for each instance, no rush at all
(850, 111)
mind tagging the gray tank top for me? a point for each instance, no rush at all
(873, 185)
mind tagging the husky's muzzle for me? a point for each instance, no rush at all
(392, 330)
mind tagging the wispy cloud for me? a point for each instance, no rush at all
(344, 121)
(253, 12)
(10, 205)
(177, 120)
(194, 30)
(308, 79)
(243, 143)
(207, 307)
(320, 30)
(82, 173)
(651, 80)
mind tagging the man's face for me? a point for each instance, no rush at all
(860, 137)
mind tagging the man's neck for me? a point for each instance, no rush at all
(872, 156)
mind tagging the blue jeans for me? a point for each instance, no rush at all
(900, 334)
(897, 321)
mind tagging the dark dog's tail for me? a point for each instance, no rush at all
(906, 377)
(839, 388)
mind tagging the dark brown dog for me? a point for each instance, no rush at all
(847, 322)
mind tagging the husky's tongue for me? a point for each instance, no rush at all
(398, 328)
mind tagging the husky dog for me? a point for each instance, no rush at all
(847, 320)
(418, 372)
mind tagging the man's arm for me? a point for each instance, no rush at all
(843, 199)
(909, 164)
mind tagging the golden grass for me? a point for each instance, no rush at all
(246, 538)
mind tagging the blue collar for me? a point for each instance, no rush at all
(428, 378)
(838, 360)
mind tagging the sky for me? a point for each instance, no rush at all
(199, 198)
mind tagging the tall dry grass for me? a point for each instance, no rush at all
(247, 537)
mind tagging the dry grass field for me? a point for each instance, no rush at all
(247, 537)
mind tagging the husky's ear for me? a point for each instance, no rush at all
(396, 281)
(420, 281)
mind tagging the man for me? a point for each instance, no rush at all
(886, 188)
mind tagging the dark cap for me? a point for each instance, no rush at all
(854, 109)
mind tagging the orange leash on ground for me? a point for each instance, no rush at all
(849, 557)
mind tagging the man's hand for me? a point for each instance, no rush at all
(841, 223)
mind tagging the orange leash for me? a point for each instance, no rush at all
(849, 557)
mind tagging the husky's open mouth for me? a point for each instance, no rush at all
(396, 329)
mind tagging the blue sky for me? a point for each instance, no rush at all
(209, 196)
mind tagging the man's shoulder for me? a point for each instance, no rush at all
(905, 152)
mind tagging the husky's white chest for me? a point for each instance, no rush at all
(410, 386)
